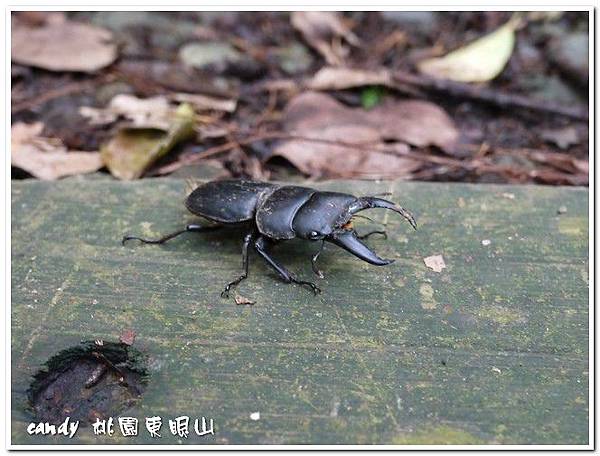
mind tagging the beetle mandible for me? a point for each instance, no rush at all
(274, 213)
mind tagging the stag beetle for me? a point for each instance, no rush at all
(276, 213)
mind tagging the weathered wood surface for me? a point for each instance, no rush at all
(494, 349)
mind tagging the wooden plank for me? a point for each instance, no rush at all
(494, 349)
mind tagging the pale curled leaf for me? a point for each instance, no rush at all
(133, 150)
(479, 61)
(154, 112)
(47, 158)
(435, 263)
(62, 46)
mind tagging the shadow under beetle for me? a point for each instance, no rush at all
(276, 213)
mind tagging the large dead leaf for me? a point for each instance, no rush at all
(319, 28)
(47, 158)
(62, 46)
(133, 150)
(338, 141)
(480, 61)
(416, 122)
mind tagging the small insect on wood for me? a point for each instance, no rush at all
(274, 213)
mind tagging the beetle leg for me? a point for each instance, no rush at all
(247, 240)
(260, 246)
(162, 240)
(366, 235)
(313, 261)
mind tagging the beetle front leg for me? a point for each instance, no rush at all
(313, 261)
(165, 238)
(260, 246)
(247, 240)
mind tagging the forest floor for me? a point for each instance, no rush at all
(290, 96)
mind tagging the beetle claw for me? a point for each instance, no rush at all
(315, 289)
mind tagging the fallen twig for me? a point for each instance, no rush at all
(490, 96)
(42, 98)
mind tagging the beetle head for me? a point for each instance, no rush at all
(345, 236)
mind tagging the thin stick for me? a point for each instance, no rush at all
(54, 93)
(483, 94)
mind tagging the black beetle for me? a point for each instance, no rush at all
(276, 213)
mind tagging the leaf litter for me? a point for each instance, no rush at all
(355, 59)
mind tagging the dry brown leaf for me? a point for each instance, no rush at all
(361, 152)
(62, 46)
(338, 78)
(435, 262)
(319, 27)
(320, 117)
(47, 158)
